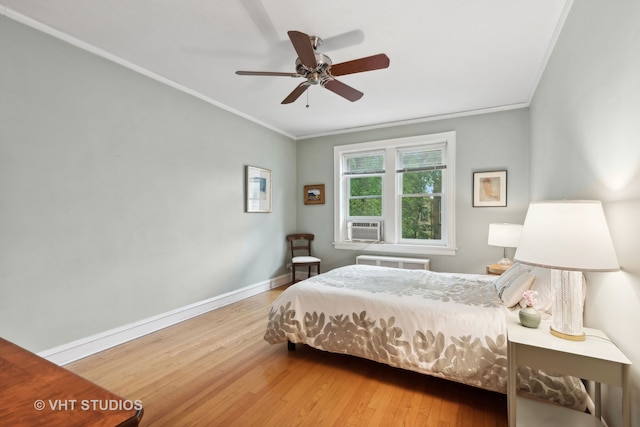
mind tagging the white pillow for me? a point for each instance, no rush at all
(503, 280)
(512, 284)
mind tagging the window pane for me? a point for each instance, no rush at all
(425, 182)
(421, 218)
(365, 196)
(367, 186)
(365, 207)
(420, 158)
(365, 163)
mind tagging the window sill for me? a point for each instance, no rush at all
(394, 248)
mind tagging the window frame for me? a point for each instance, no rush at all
(391, 197)
(368, 174)
(400, 194)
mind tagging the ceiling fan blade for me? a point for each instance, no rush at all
(266, 73)
(340, 41)
(370, 63)
(343, 90)
(302, 87)
(302, 44)
(258, 14)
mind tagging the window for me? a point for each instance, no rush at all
(405, 184)
(363, 174)
(420, 177)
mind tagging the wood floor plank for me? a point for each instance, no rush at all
(217, 370)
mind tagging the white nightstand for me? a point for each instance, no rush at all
(496, 269)
(596, 359)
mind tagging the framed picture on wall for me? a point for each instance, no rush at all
(314, 194)
(490, 189)
(257, 189)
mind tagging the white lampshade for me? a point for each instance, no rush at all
(504, 235)
(567, 235)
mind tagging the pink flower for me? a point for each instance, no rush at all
(530, 297)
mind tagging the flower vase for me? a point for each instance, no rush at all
(529, 317)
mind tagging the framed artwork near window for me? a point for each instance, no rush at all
(490, 189)
(257, 189)
(314, 194)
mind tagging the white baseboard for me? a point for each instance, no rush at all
(70, 352)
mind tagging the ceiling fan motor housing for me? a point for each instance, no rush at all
(315, 75)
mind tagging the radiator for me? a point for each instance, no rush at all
(364, 231)
(397, 262)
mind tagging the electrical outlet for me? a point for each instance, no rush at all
(289, 266)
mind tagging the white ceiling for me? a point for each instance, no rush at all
(447, 57)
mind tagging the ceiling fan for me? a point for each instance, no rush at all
(317, 68)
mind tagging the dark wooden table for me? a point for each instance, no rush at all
(36, 392)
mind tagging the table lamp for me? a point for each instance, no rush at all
(506, 236)
(568, 237)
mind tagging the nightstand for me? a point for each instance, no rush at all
(596, 359)
(496, 269)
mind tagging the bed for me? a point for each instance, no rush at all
(447, 325)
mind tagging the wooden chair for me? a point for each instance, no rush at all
(300, 243)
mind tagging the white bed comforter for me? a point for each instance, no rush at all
(442, 324)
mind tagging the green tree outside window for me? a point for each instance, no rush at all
(365, 196)
(422, 205)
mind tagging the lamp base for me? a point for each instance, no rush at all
(566, 305)
(505, 261)
(579, 337)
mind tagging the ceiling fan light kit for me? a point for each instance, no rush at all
(317, 68)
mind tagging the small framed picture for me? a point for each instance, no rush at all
(490, 189)
(257, 189)
(314, 194)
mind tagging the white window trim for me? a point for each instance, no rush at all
(340, 237)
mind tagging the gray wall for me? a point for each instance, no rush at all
(585, 144)
(484, 142)
(122, 198)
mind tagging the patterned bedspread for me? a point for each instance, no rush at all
(447, 325)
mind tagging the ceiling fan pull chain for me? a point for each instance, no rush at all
(307, 99)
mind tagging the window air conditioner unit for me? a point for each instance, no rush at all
(364, 231)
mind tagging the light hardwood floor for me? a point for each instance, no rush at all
(216, 370)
